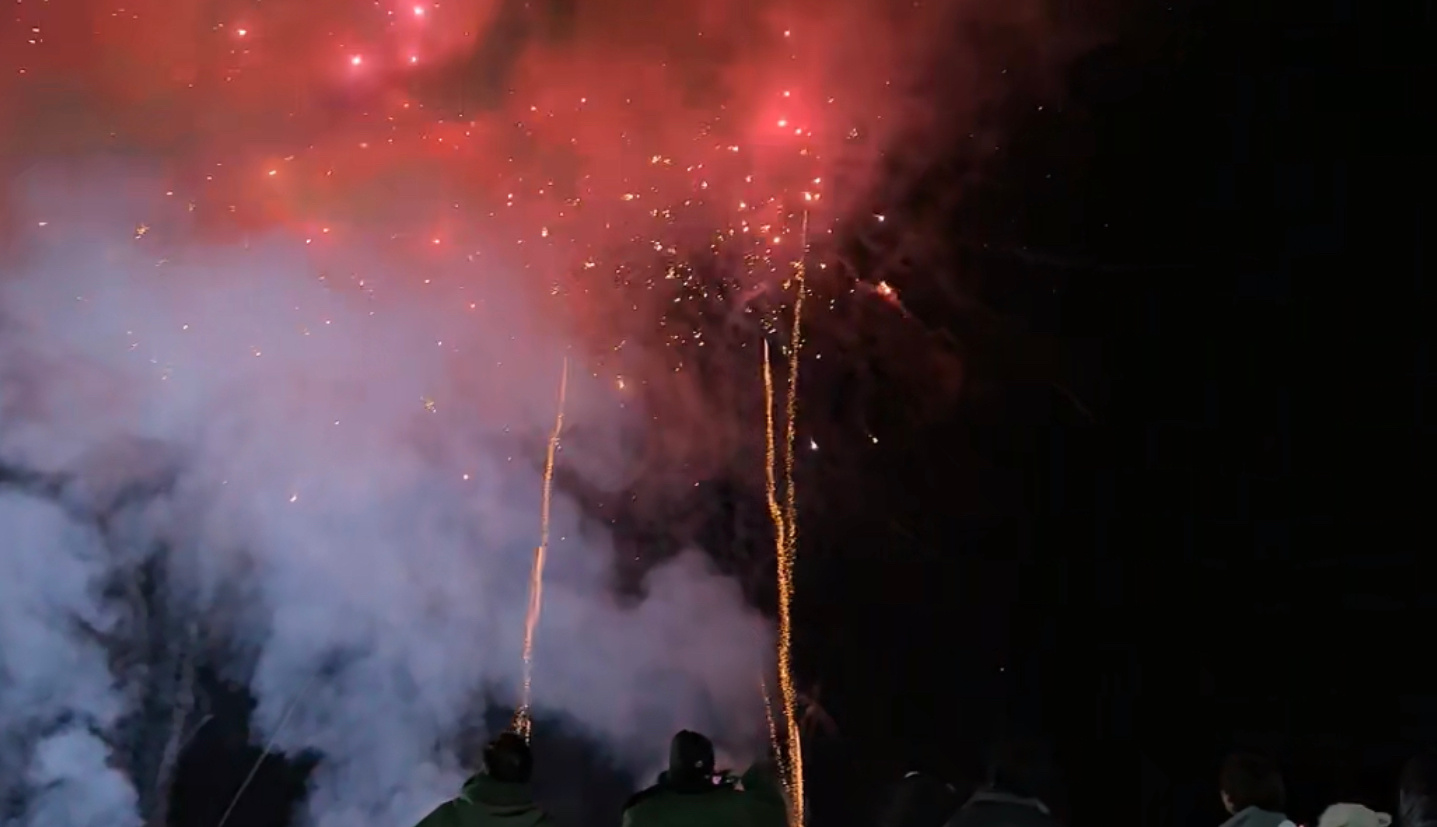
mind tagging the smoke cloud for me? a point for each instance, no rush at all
(323, 482)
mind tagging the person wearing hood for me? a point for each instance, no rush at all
(1353, 815)
(1252, 792)
(497, 797)
(1417, 792)
(691, 794)
(1019, 786)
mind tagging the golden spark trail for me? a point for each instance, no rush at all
(776, 513)
(522, 723)
(785, 522)
(771, 453)
(790, 515)
(788, 556)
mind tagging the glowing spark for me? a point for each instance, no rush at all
(356, 60)
(522, 722)
(141, 230)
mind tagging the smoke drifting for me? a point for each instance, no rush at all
(325, 487)
(275, 378)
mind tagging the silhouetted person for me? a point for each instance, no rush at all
(919, 800)
(1020, 782)
(1417, 792)
(691, 794)
(498, 796)
(1252, 792)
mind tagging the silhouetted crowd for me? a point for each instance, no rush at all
(691, 793)
(1250, 786)
(1253, 793)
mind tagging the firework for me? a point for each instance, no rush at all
(522, 721)
(791, 759)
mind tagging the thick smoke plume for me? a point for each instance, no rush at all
(323, 486)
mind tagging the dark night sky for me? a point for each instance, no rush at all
(1227, 553)
(1220, 545)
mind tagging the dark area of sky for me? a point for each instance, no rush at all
(1179, 509)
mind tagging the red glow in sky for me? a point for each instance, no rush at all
(592, 143)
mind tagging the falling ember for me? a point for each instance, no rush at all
(522, 722)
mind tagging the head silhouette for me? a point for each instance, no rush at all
(508, 758)
(691, 756)
(1249, 780)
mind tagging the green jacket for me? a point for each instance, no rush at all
(761, 803)
(489, 803)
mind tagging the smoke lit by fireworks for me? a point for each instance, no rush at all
(645, 170)
(626, 167)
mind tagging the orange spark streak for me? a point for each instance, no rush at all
(522, 722)
(789, 558)
(783, 542)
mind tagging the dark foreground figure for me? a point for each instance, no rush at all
(1253, 792)
(1020, 778)
(690, 794)
(498, 796)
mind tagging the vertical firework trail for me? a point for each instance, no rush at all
(785, 521)
(522, 722)
(790, 558)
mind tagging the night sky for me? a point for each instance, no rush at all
(1153, 445)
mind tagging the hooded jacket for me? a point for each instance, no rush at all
(486, 802)
(704, 803)
(993, 808)
(1353, 815)
(1257, 817)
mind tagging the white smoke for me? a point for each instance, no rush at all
(328, 478)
